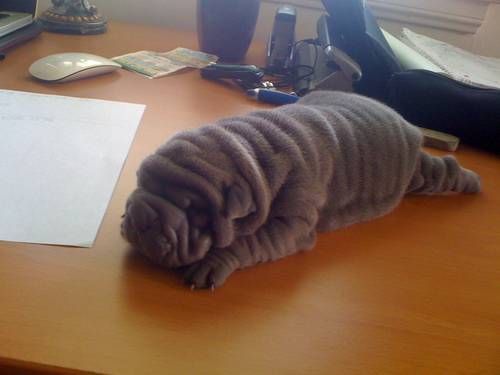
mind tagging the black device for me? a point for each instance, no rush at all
(246, 73)
(281, 41)
(321, 64)
(19, 36)
(354, 30)
(246, 76)
(25, 6)
(336, 56)
(23, 34)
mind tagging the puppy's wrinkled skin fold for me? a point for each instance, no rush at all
(259, 187)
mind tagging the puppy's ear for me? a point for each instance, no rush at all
(239, 202)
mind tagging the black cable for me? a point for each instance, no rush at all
(286, 78)
(289, 76)
(311, 67)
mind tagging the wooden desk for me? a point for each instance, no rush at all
(417, 291)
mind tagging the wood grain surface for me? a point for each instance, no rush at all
(415, 292)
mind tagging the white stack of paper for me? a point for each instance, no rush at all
(408, 57)
(415, 51)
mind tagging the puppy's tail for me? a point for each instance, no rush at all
(435, 175)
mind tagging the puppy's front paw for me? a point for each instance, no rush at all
(211, 271)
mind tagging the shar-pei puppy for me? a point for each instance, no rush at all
(259, 187)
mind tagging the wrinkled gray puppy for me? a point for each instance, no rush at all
(259, 187)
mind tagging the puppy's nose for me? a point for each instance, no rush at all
(164, 249)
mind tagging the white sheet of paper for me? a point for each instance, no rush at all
(60, 158)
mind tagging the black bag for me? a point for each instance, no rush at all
(434, 101)
(424, 98)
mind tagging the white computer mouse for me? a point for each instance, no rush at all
(64, 67)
